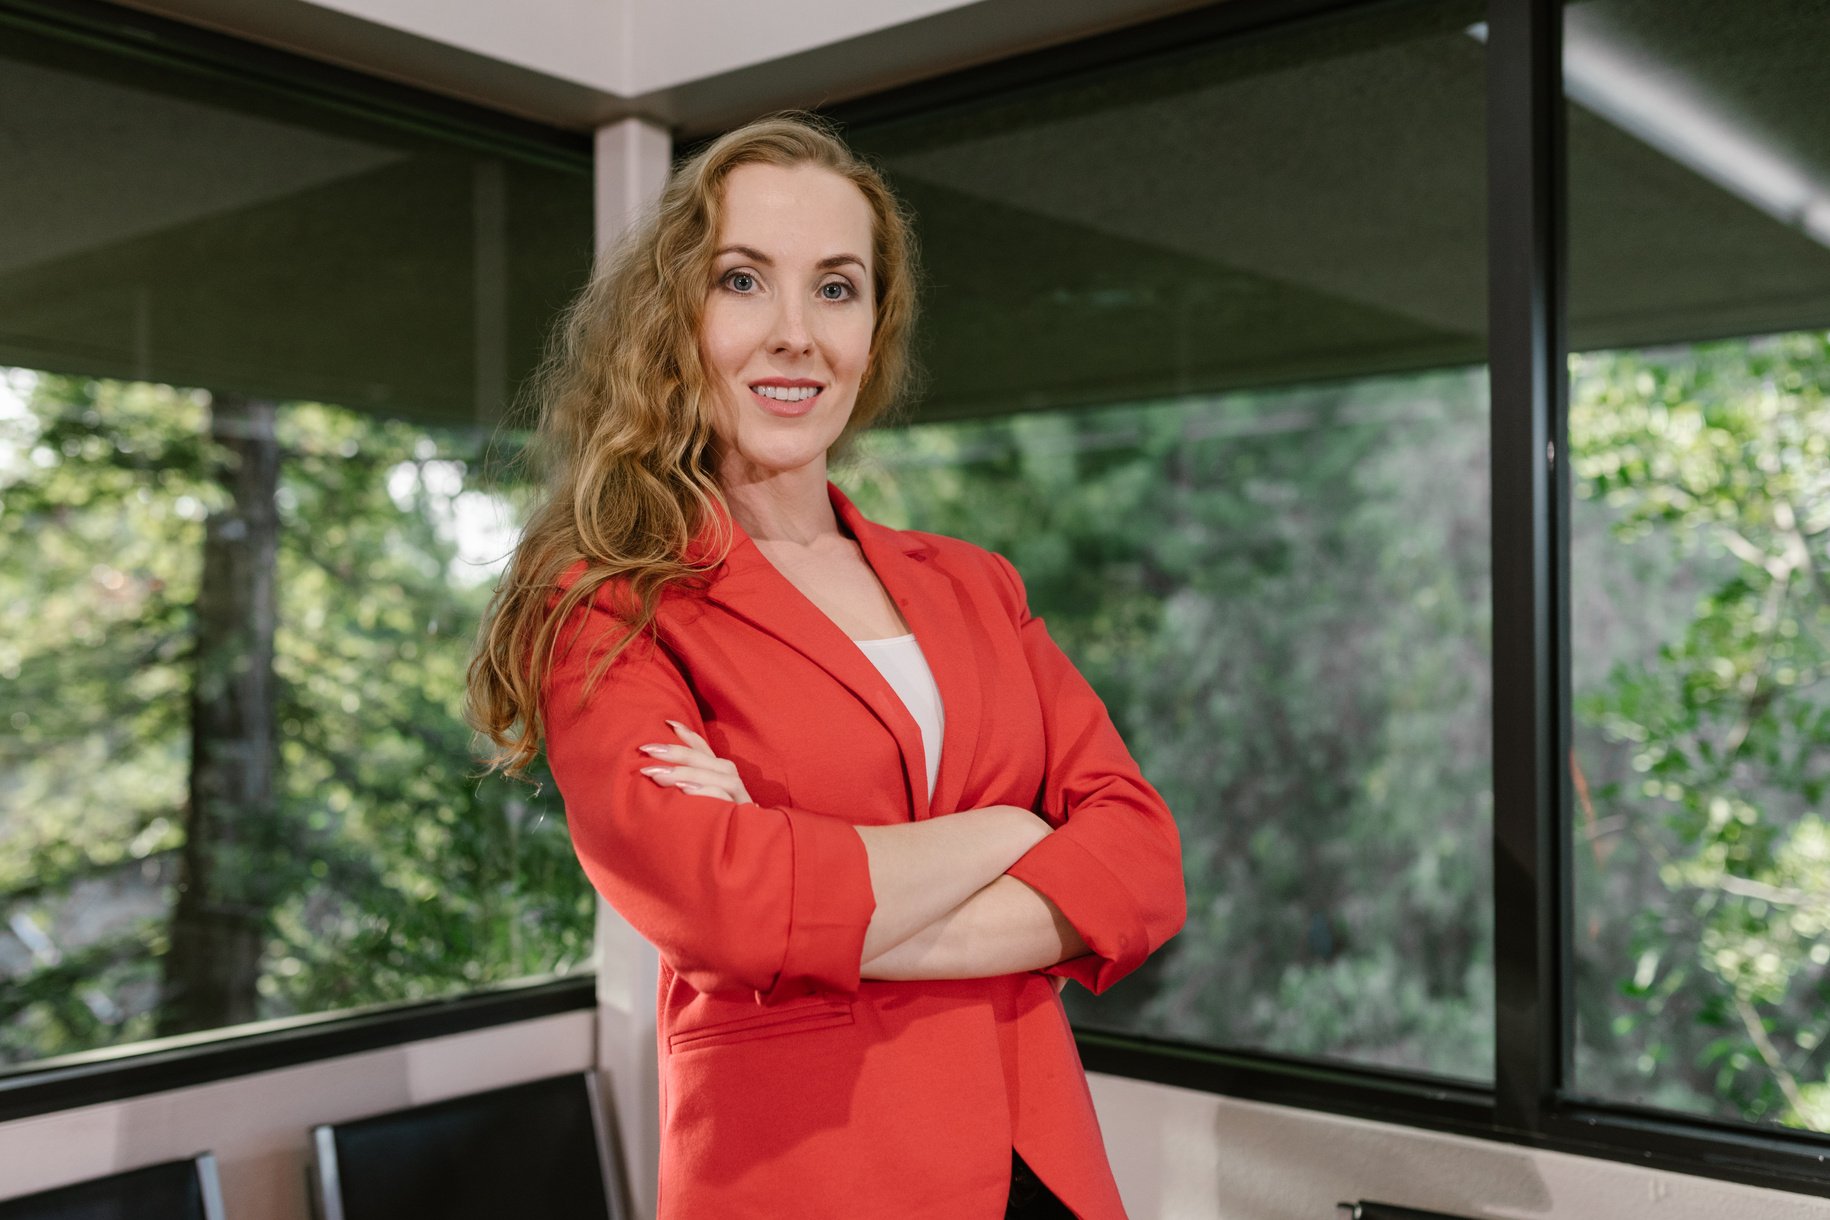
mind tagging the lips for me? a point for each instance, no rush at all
(785, 410)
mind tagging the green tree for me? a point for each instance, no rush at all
(1282, 598)
(390, 872)
(1707, 971)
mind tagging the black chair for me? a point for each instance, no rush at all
(536, 1149)
(1386, 1211)
(175, 1190)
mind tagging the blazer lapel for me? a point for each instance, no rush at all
(948, 636)
(750, 587)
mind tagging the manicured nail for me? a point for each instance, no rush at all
(656, 772)
(655, 751)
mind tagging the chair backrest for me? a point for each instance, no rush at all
(1367, 1210)
(534, 1149)
(175, 1190)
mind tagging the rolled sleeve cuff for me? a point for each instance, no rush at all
(829, 912)
(1093, 899)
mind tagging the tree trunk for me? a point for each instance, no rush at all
(233, 850)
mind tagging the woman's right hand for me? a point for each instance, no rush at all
(693, 768)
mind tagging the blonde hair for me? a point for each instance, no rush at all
(624, 444)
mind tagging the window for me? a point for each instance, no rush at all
(1503, 798)
(1207, 341)
(253, 349)
(1700, 555)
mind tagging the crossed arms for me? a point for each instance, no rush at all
(784, 902)
(945, 907)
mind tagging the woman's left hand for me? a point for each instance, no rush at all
(693, 768)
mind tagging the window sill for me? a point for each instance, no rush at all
(120, 1072)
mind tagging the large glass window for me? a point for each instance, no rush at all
(1206, 339)
(253, 350)
(1699, 298)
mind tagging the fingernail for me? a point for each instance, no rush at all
(676, 726)
(656, 771)
(690, 789)
(655, 751)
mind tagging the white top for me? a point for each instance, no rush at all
(902, 665)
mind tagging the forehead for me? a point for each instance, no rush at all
(803, 211)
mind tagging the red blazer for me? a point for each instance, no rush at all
(789, 1087)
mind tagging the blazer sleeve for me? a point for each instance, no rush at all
(1113, 865)
(735, 897)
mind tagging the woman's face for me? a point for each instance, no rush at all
(787, 328)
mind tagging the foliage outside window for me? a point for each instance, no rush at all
(255, 340)
(1206, 336)
(1699, 439)
(1701, 569)
(1282, 598)
(248, 626)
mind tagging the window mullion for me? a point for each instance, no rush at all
(1530, 558)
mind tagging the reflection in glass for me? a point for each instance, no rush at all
(1700, 548)
(251, 351)
(1206, 340)
(1283, 600)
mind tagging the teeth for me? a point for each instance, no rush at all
(785, 394)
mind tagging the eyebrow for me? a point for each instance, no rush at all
(756, 255)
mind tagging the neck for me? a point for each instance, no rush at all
(781, 506)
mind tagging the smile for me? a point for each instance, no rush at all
(786, 401)
(785, 394)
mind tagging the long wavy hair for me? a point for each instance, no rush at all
(624, 447)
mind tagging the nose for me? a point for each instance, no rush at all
(790, 332)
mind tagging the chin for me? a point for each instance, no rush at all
(783, 463)
(773, 455)
(781, 447)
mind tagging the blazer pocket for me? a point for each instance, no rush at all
(780, 1020)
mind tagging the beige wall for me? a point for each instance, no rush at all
(1180, 1154)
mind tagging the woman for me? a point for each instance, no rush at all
(868, 813)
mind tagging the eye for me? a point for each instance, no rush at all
(846, 292)
(739, 281)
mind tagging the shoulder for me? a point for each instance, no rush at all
(967, 561)
(610, 593)
(955, 557)
(571, 575)
(602, 617)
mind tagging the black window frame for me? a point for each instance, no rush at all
(194, 52)
(1531, 1101)
(193, 56)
